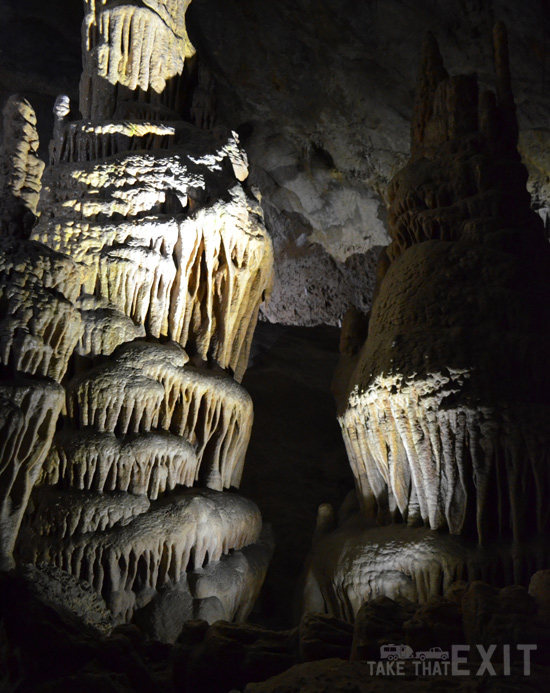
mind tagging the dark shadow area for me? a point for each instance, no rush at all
(296, 459)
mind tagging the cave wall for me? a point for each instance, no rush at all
(321, 95)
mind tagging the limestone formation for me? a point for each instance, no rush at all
(170, 238)
(20, 166)
(133, 559)
(139, 293)
(28, 415)
(147, 386)
(39, 326)
(142, 464)
(104, 327)
(54, 512)
(137, 48)
(445, 409)
(449, 387)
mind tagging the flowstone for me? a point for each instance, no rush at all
(444, 409)
(126, 326)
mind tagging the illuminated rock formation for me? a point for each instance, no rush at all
(445, 410)
(39, 326)
(20, 167)
(143, 464)
(147, 386)
(190, 258)
(130, 560)
(28, 415)
(133, 49)
(165, 263)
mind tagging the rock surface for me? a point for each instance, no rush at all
(321, 93)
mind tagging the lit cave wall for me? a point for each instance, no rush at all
(275, 283)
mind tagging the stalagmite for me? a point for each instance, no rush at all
(448, 388)
(171, 261)
(444, 413)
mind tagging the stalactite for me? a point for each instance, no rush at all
(61, 514)
(154, 548)
(39, 324)
(28, 415)
(147, 464)
(197, 278)
(147, 386)
(139, 46)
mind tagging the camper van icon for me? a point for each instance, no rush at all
(392, 652)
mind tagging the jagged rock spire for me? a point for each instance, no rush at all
(431, 73)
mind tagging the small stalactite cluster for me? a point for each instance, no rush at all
(152, 245)
(129, 558)
(146, 387)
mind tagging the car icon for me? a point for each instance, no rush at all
(392, 652)
(432, 653)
